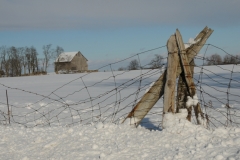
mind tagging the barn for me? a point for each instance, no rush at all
(71, 61)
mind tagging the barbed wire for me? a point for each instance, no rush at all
(109, 96)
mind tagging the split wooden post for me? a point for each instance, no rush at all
(182, 93)
(185, 64)
(172, 64)
(157, 90)
(188, 74)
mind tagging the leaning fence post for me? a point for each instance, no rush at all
(8, 108)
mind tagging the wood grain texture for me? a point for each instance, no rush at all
(169, 89)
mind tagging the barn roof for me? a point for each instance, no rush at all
(67, 56)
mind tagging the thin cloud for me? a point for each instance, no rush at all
(76, 14)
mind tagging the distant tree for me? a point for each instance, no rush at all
(157, 61)
(15, 60)
(21, 51)
(229, 59)
(28, 59)
(57, 52)
(237, 59)
(121, 69)
(214, 59)
(133, 65)
(42, 62)
(24, 59)
(47, 52)
(31, 60)
(4, 60)
(2, 73)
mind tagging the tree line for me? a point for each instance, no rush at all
(156, 62)
(216, 59)
(19, 61)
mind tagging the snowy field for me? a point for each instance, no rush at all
(77, 116)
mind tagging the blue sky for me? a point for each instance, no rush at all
(109, 30)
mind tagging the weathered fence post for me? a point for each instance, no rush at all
(8, 108)
(188, 74)
(157, 90)
(172, 64)
(182, 93)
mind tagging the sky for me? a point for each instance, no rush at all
(109, 30)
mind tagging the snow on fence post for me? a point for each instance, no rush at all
(156, 91)
(172, 64)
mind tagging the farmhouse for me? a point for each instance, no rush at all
(71, 61)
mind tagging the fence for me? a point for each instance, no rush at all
(109, 96)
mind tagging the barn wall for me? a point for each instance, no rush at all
(79, 63)
(62, 66)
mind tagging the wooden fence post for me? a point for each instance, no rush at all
(188, 74)
(172, 64)
(8, 108)
(182, 93)
(157, 90)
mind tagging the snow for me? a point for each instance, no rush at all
(183, 141)
(149, 87)
(202, 121)
(170, 119)
(133, 121)
(66, 56)
(190, 42)
(192, 101)
(75, 135)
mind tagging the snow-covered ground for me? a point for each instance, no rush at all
(109, 141)
(76, 116)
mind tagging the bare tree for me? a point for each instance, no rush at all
(57, 52)
(122, 69)
(13, 60)
(214, 59)
(33, 59)
(28, 58)
(157, 61)
(133, 65)
(3, 58)
(42, 62)
(48, 52)
(229, 59)
(21, 65)
(24, 60)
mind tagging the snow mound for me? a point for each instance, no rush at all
(171, 120)
(133, 121)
